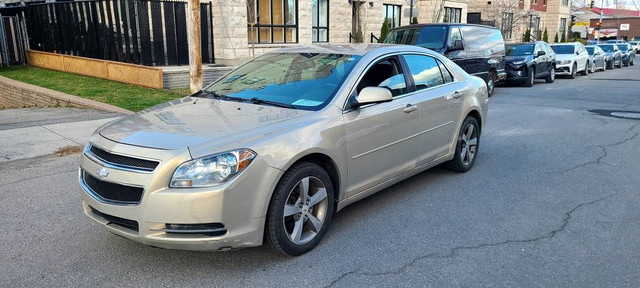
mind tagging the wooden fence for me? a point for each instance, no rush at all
(117, 71)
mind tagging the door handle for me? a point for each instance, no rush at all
(457, 94)
(410, 108)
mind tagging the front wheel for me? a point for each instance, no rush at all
(573, 71)
(300, 210)
(592, 67)
(466, 146)
(530, 77)
(552, 75)
(491, 83)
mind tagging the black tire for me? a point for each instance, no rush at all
(573, 71)
(631, 61)
(530, 77)
(552, 75)
(608, 65)
(619, 63)
(586, 68)
(491, 83)
(457, 163)
(275, 230)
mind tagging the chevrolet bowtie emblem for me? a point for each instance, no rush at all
(102, 172)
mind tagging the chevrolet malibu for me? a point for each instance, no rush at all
(271, 151)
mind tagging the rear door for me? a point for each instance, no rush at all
(440, 104)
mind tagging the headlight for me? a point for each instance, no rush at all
(518, 63)
(565, 61)
(211, 170)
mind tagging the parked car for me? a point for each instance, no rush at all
(592, 42)
(614, 56)
(636, 46)
(276, 146)
(614, 41)
(480, 52)
(571, 58)
(628, 55)
(597, 58)
(529, 61)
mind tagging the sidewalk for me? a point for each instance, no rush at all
(33, 132)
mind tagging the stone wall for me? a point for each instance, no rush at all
(15, 94)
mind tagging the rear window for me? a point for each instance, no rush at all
(563, 49)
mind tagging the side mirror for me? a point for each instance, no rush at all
(457, 45)
(541, 53)
(370, 95)
(577, 53)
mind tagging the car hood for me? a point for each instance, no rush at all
(560, 57)
(192, 121)
(511, 59)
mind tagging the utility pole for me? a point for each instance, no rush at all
(193, 39)
(411, 12)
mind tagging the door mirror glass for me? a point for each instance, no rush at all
(457, 45)
(541, 53)
(373, 95)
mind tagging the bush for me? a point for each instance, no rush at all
(563, 39)
(555, 39)
(527, 36)
(384, 30)
(414, 20)
(545, 35)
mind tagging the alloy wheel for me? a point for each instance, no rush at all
(469, 144)
(305, 210)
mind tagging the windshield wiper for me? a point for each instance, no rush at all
(253, 100)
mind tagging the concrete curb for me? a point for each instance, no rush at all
(16, 94)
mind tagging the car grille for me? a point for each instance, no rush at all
(111, 192)
(123, 161)
(126, 223)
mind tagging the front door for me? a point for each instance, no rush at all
(381, 142)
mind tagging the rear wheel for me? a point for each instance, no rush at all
(586, 69)
(467, 146)
(300, 210)
(552, 75)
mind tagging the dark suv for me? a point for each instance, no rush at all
(477, 49)
(529, 61)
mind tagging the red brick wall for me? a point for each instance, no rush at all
(540, 5)
(613, 23)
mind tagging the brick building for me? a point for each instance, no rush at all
(247, 28)
(626, 28)
(514, 17)
(586, 19)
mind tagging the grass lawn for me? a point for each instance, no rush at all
(126, 96)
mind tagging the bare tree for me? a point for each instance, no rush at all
(615, 4)
(506, 14)
(435, 18)
(635, 4)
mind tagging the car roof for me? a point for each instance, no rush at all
(360, 49)
(443, 24)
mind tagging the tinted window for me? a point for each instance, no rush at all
(607, 48)
(623, 47)
(520, 50)
(590, 50)
(445, 73)
(482, 42)
(425, 71)
(432, 37)
(563, 49)
(305, 80)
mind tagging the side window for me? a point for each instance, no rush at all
(385, 73)
(424, 70)
(454, 35)
(448, 78)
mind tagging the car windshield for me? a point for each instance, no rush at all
(623, 47)
(607, 48)
(305, 81)
(520, 50)
(563, 49)
(590, 50)
(432, 37)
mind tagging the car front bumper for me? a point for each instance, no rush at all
(516, 73)
(232, 213)
(563, 69)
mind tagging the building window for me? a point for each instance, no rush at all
(534, 25)
(506, 25)
(392, 14)
(534, 2)
(565, 2)
(563, 25)
(320, 20)
(273, 21)
(452, 15)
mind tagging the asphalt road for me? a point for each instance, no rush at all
(553, 201)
